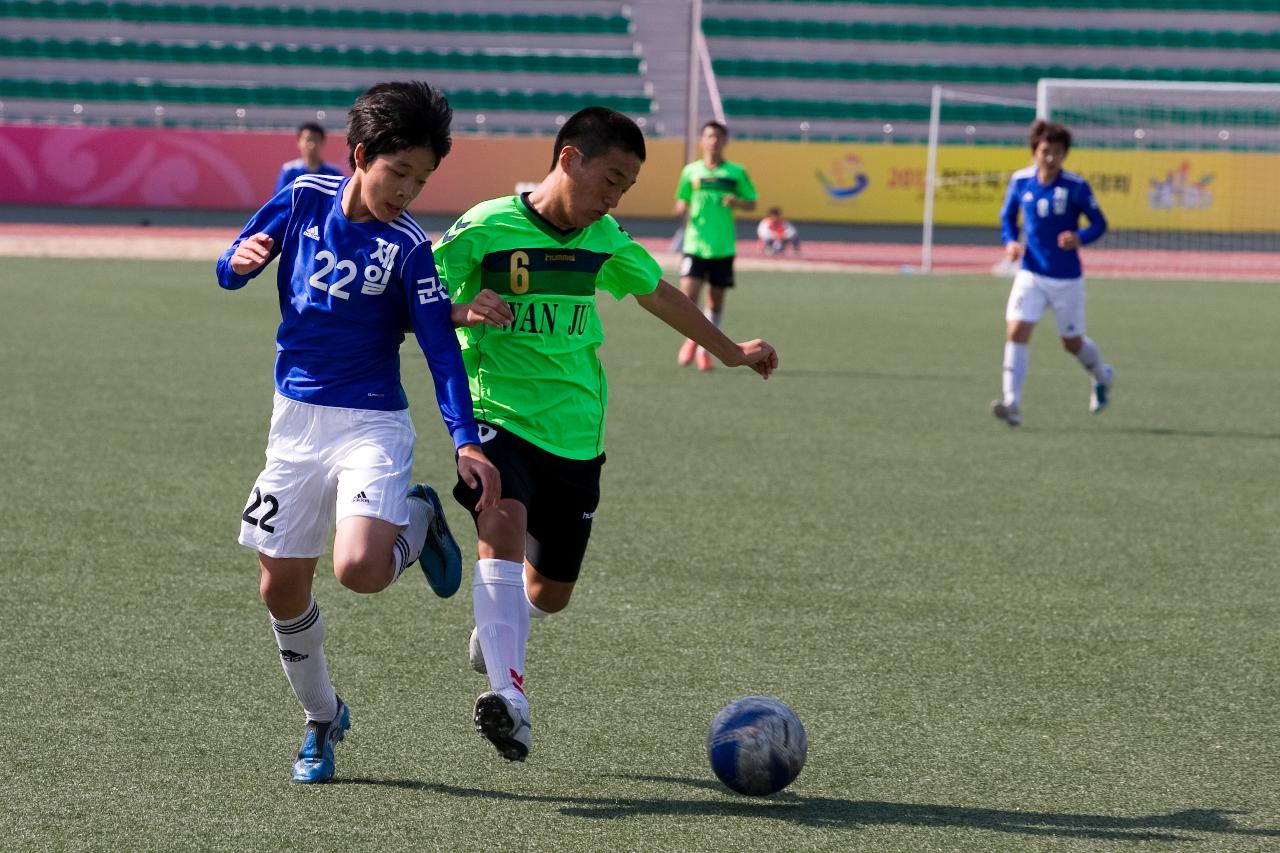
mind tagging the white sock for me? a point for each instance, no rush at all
(502, 624)
(715, 321)
(1015, 371)
(409, 544)
(1091, 359)
(301, 642)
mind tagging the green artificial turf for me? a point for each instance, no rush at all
(1062, 637)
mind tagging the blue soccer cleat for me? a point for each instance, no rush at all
(315, 759)
(1102, 390)
(440, 556)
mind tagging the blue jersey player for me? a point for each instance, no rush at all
(1051, 201)
(355, 271)
(310, 141)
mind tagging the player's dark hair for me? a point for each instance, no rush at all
(1051, 132)
(312, 127)
(391, 117)
(596, 130)
(775, 211)
(720, 127)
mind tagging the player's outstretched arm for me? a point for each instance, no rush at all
(676, 310)
(487, 307)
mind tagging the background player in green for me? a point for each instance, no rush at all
(710, 190)
(523, 272)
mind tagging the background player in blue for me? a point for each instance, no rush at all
(310, 141)
(355, 271)
(1051, 201)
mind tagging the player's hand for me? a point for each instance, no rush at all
(488, 308)
(252, 253)
(1068, 240)
(1013, 251)
(759, 356)
(728, 199)
(478, 472)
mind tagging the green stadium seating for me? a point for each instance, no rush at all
(1063, 5)
(324, 56)
(793, 28)
(324, 17)
(311, 96)
(975, 74)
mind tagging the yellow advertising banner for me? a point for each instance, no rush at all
(1144, 190)
(884, 184)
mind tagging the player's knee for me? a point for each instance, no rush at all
(550, 603)
(283, 595)
(1072, 345)
(362, 572)
(549, 597)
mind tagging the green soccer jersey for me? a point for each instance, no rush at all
(710, 232)
(539, 377)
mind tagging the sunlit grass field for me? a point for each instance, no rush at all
(1062, 637)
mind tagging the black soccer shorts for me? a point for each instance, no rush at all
(559, 494)
(718, 271)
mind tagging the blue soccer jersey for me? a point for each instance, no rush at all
(348, 290)
(298, 168)
(1047, 211)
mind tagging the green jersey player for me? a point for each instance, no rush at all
(523, 272)
(710, 190)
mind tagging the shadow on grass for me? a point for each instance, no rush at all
(1200, 433)
(1173, 432)
(826, 812)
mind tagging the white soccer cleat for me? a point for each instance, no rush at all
(475, 653)
(1007, 412)
(1101, 394)
(506, 726)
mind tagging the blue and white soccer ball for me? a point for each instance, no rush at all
(757, 745)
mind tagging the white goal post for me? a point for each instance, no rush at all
(933, 179)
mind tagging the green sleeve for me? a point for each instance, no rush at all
(631, 271)
(746, 189)
(684, 191)
(457, 257)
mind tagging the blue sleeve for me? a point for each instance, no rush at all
(1092, 212)
(430, 316)
(271, 219)
(1009, 214)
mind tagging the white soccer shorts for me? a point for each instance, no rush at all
(1032, 293)
(323, 465)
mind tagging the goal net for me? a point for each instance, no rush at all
(976, 141)
(1185, 173)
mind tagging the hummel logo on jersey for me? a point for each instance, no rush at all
(313, 232)
(587, 516)
(360, 499)
(453, 232)
(291, 656)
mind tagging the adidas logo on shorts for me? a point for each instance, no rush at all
(360, 499)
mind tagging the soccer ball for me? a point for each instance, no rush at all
(757, 745)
